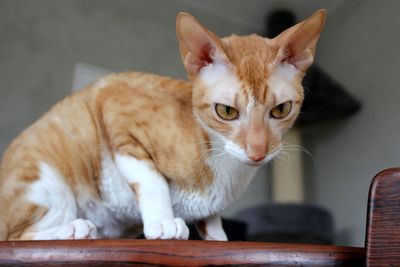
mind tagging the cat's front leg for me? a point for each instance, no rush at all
(154, 199)
(211, 228)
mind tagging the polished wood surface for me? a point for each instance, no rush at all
(174, 253)
(383, 229)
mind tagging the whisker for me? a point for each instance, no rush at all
(283, 156)
(212, 150)
(297, 148)
(292, 147)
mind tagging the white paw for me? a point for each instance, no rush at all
(77, 229)
(216, 235)
(167, 229)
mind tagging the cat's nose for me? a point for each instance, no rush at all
(257, 152)
(256, 158)
(257, 142)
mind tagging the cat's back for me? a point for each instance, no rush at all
(144, 86)
(71, 135)
(152, 111)
(62, 137)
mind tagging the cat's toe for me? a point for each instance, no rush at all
(78, 229)
(84, 229)
(153, 230)
(182, 231)
(167, 229)
(216, 236)
(64, 232)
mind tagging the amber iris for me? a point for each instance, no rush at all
(281, 110)
(226, 112)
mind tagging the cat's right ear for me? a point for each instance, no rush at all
(198, 46)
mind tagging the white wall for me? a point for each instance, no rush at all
(361, 49)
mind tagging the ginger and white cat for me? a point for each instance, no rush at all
(140, 150)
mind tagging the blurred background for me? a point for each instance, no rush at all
(49, 48)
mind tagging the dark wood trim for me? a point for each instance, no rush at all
(383, 223)
(174, 253)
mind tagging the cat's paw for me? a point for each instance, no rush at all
(77, 229)
(216, 235)
(167, 229)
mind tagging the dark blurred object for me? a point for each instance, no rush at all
(324, 99)
(288, 223)
(234, 229)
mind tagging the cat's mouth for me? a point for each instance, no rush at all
(239, 154)
(268, 158)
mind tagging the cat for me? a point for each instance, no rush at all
(136, 151)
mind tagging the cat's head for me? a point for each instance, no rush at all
(247, 90)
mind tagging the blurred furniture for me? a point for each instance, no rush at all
(382, 245)
(288, 223)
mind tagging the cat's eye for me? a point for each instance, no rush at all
(226, 112)
(281, 110)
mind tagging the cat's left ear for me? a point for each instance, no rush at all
(297, 44)
(198, 46)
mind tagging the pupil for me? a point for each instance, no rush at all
(280, 107)
(227, 110)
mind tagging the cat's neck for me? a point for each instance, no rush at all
(231, 177)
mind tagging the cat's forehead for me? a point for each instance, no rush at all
(250, 79)
(251, 57)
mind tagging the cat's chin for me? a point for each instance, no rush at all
(257, 163)
(248, 162)
(252, 163)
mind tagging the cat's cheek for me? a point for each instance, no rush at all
(277, 128)
(222, 127)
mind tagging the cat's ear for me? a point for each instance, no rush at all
(297, 44)
(198, 46)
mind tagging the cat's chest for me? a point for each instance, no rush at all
(116, 193)
(229, 181)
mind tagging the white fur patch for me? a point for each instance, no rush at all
(237, 152)
(116, 193)
(52, 192)
(231, 178)
(167, 229)
(60, 221)
(154, 199)
(281, 82)
(77, 229)
(250, 106)
(222, 83)
(213, 229)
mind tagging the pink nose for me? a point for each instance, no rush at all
(257, 157)
(257, 151)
